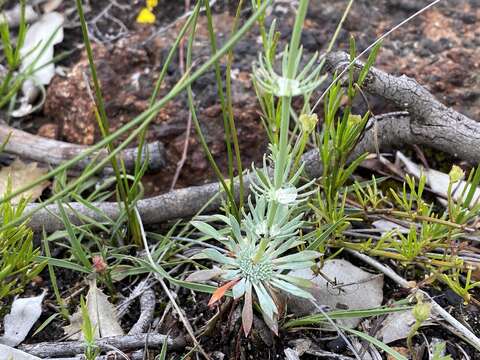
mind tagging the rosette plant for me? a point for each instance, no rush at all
(265, 242)
(256, 258)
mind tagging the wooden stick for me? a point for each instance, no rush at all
(431, 122)
(124, 343)
(54, 152)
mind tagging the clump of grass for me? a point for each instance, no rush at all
(18, 256)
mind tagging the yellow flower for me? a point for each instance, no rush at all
(308, 122)
(151, 4)
(146, 16)
(456, 174)
(354, 119)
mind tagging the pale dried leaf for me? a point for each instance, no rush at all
(247, 312)
(35, 51)
(102, 315)
(12, 16)
(353, 289)
(291, 354)
(8, 353)
(437, 180)
(204, 275)
(396, 326)
(22, 174)
(23, 315)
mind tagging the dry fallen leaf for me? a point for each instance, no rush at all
(437, 180)
(8, 353)
(22, 174)
(351, 288)
(23, 315)
(37, 50)
(396, 326)
(102, 315)
(37, 60)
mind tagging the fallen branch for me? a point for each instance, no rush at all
(431, 123)
(54, 152)
(124, 343)
(427, 122)
(147, 308)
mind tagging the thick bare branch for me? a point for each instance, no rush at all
(188, 201)
(147, 309)
(54, 152)
(431, 123)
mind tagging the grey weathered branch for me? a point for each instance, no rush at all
(54, 152)
(124, 343)
(427, 122)
(431, 122)
(147, 309)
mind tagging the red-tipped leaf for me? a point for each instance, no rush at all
(218, 294)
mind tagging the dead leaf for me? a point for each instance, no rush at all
(37, 50)
(291, 354)
(13, 16)
(204, 275)
(37, 60)
(349, 288)
(396, 326)
(102, 315)
(218, 294)
(247, 312)
(11, 353)
(23, 315)
(22, 174)
(437, 180)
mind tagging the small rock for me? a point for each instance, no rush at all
(49, 131)
(453, 298)
(337, 345)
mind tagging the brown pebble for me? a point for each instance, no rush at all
(49, 131)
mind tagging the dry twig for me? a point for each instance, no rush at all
(124, 343)
(54, 152)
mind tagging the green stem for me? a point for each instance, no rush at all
(103, 123)
(221, 95)
(286, 100)
(198, 129)
(233, 130)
